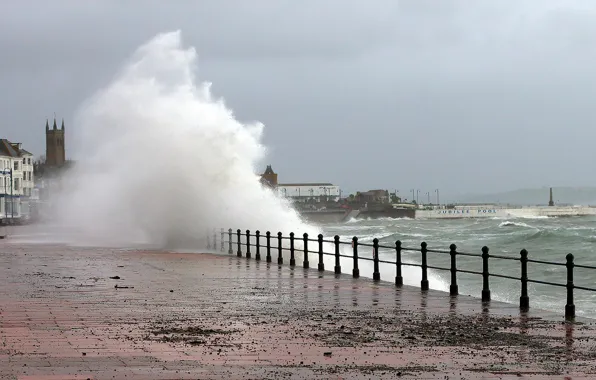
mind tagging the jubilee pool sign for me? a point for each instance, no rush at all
(467, 211)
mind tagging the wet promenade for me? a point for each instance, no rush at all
(84, 313)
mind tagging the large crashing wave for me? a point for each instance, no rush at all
(162, 161)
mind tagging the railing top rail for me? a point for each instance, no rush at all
(316, 239)
(273, 242)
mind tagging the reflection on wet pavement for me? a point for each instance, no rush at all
(188, 316)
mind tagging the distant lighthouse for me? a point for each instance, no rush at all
(551, 202)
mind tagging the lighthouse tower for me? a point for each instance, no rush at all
(551, 202)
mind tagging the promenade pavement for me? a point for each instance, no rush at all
(94, 313)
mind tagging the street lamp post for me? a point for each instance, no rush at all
(5, 196)
(417, 193)
(437, 191)
(4, 172)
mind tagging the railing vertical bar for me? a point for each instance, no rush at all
(268, 238)
(356, 270)
(257, 245)
(399, 280)
(305, 263)
(321, 266)
(248, 254)
(292, 257)
(570, 306)
(424, 267)
(453, 288)
(376, 273)
(337, 267)
(230, 240)
(485, 275)
(221, 246)
(239, 252)
(280, 259)
(524, 300)
(214, 240)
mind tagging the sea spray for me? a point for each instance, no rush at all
(162, 160)
(163, 164)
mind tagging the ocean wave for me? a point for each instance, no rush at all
(509, 223)
(547, 239)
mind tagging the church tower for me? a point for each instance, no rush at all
(55, 152)
(269, 178)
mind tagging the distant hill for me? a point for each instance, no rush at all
(561, 195)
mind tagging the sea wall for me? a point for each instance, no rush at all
(521, 212)
(389, 213)
(324, 216)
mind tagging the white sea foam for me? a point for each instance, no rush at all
(509, 223)
(161, 161)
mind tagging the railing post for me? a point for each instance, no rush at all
(214, 240)
(337, 263)
(321, 264)
(424, 265)
(248, 255)
(453, 288)
(524, 300)
(221, 246)
(280, 259)
(376, 274)
(355, 271)
(485, 275)
(399, 280)
(239, 252)
(305, 263)
(570, 307)
(292, 258)
(230, 238)
(257, 245)
(268, 237)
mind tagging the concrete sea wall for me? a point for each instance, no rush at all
(521, 212)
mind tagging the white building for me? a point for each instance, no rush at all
(16, 180)
(305, 191)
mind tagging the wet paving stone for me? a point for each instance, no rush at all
(92, 313)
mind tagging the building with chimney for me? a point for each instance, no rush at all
(17, 188)
(301, 192)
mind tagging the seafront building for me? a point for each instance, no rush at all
(302, 192)
(17, 189)
(22, 180)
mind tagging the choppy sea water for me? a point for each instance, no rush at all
(549, 239)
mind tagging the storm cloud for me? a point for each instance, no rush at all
(465, 96)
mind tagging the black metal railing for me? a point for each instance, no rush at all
(228, 238)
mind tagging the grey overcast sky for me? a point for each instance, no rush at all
(465, 96)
